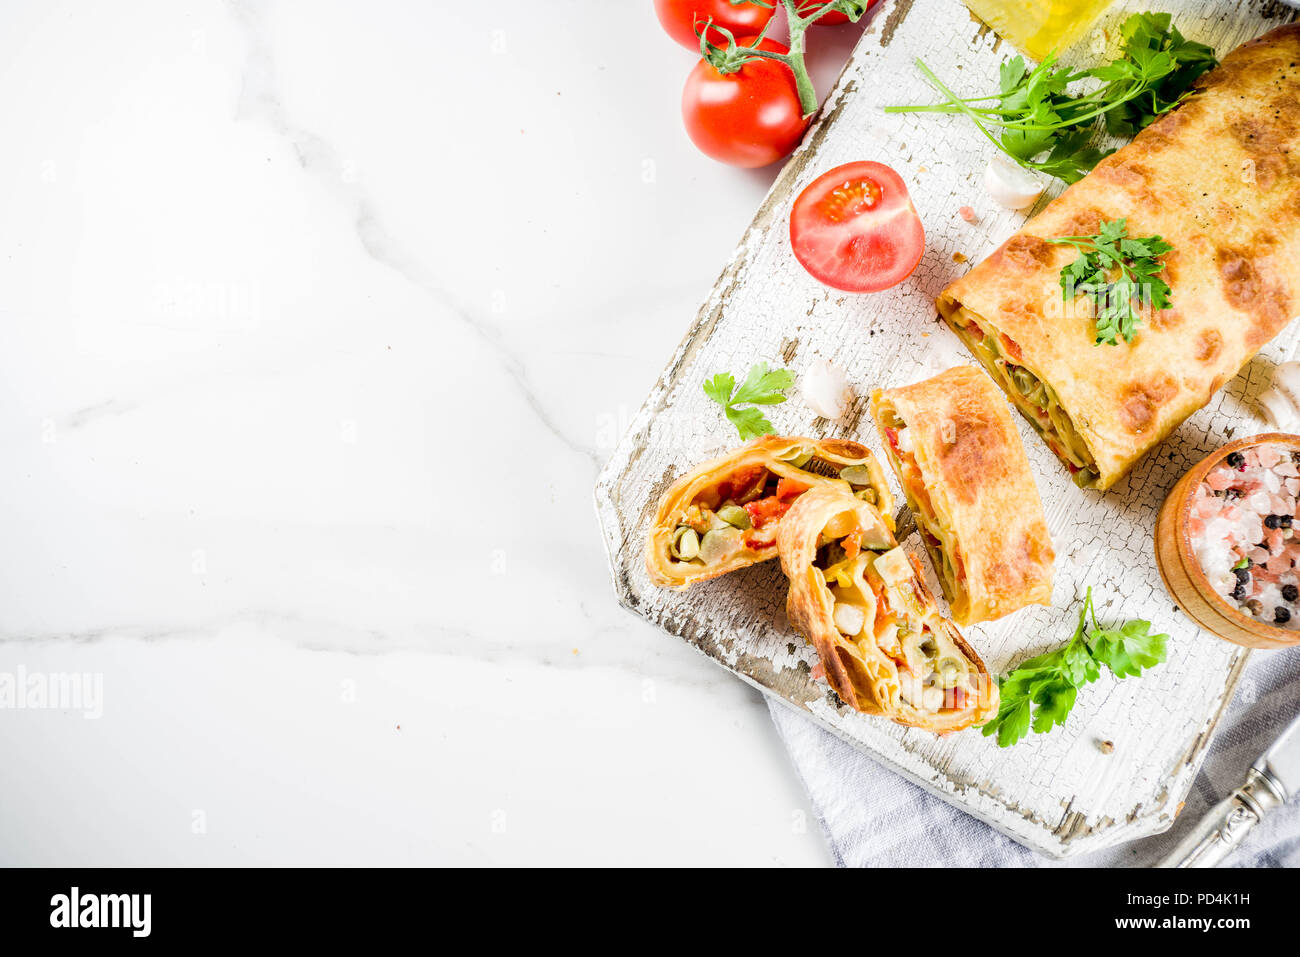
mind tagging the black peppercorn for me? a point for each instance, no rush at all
(1281, 615)
(1243, 574)
(1236, 460)
(1290, 592)
(1273, 521)
(1239, 592)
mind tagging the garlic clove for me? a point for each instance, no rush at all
(825, 389)
(1280, 404)
(1011, 185)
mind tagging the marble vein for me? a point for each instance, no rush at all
(354, 640)
(260, 100)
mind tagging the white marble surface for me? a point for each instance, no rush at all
(318, 319)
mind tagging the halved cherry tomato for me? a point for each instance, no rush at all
(681, 18)
(748, 118)
(740, 482)
(766, 510)
(788, 489)
(1009, 347)
(830, 19)
(855, 228)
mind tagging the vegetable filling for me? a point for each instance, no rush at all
(1033, 397)
(743, 511)
(877, 604)
(936, 535)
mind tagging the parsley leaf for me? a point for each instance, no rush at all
(1128, 649)
(1110, 232)
(1071, 157)
(761, 387)
(1170, 63)
(1041, 692)
(1114, 270)
(1054, 699)
(1012, 723)
(1045, 127)
(720, 387)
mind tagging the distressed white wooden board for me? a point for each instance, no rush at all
(1058, 792)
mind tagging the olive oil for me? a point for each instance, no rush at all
(1037, 27)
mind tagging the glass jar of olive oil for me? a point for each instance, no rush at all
(1037, 27)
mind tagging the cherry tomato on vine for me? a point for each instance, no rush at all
(681, 18)
(748, 118)
(855, 228)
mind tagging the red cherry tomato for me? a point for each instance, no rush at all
(681, 18)
(790, 489)
(766, 510)
(831, 19)
(748, 118)
(855, 228)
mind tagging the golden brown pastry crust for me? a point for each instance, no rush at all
(860, 672)
(980, 488)
(773, 453)
(1219, 178)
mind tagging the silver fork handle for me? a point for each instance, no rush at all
(1226, 826)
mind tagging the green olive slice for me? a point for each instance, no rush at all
(686, 544)
(735, 516)
(948, 672)
(856, 474)
(799, 456)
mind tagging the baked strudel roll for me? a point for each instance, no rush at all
(1219, 179)
(964, 471)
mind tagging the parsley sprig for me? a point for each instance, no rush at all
(1045, 127)
(1114, 270)
(1051, 682)
(761, 387)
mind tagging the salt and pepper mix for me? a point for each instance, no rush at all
(1242, 529)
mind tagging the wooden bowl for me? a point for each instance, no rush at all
(1182, 572)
